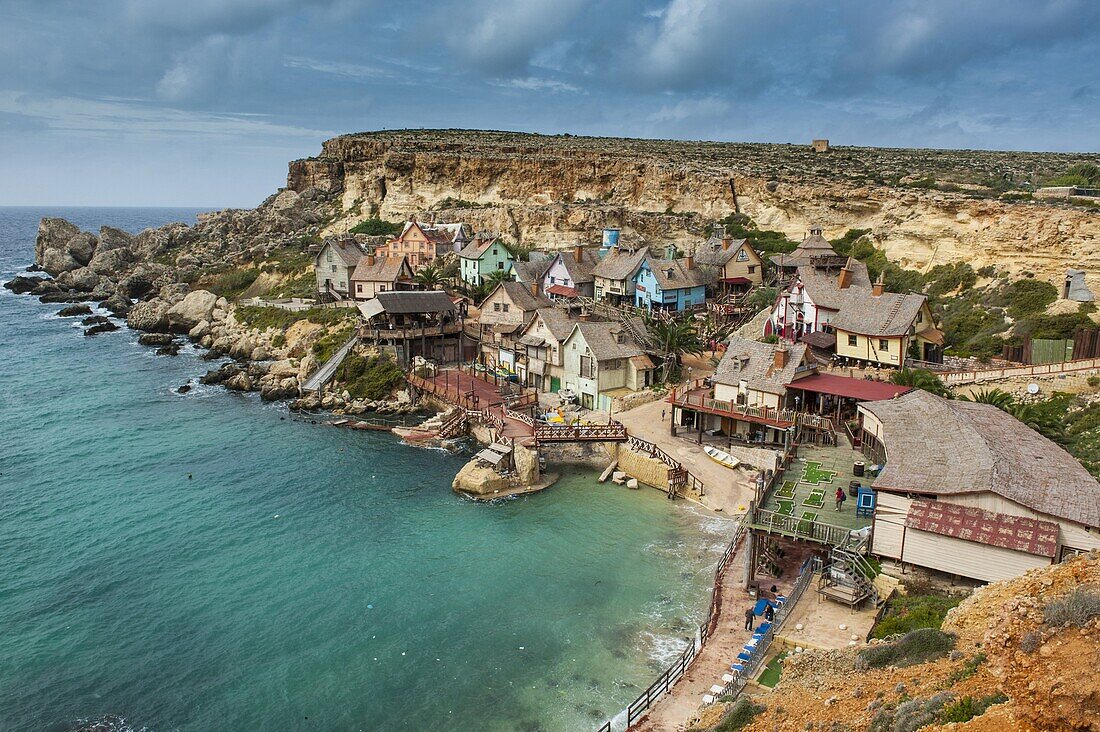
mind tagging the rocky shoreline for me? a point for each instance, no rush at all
(146, 281)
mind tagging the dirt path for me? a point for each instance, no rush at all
(727, 490)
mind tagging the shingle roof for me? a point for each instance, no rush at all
(603, 340)
(711, 252)
(620, 264)
(384, 269)
(944, 447)
(858, 309)
(347, 249)
(476, 248)
(534, 268)
(521, 296)
(673, 274)
(580, 272)
(415, 302)
(435, 233)
(814, 245)
(754, 363)
(970, 523)
(557, 322)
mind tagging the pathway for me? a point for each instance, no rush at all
(727, 490)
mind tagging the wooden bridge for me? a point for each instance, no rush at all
(614, 432)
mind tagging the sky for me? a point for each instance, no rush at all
(203, 102)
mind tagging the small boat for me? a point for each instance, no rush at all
(721, 456)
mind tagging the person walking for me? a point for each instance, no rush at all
(841, 497)
(749, 617)
(662, 415)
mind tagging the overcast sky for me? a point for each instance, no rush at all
(203, 102)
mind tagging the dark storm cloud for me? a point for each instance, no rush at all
(280, 75)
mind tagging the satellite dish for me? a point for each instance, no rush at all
(1033, 388)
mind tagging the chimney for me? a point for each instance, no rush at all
(815, 231)
(584, 316)
(535, 288)
(726, 241)
(780, 357)
(879, 287)
(689, 261)
(371, 259)
(844, 281)
(578, 253)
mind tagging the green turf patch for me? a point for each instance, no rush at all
(787, 491)
(770, 676)
(816, 498)
(806, 525)
(813, 474)
(786, 508)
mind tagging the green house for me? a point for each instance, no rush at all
(481, 258)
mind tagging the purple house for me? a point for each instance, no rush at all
(570, 274)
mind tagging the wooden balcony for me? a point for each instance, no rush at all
(798, 528)
(698, 397)
(368, 333)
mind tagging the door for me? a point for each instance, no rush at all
(555, 384)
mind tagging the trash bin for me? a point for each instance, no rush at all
(853, 488)
(857, 469)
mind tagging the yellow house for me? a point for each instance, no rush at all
(729, 264)
(880, 328)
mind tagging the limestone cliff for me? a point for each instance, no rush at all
(558, 189)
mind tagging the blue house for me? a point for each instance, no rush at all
(670, 284)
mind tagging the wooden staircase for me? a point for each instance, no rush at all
(848, 579)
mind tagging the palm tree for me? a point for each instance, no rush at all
(1045, 423)
(998, 398)
(430, 277)
(678, 338)
(497, 276)
(919, 379)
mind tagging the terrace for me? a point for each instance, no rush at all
(699, 397)
(802, 501)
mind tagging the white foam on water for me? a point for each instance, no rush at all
(662, 649)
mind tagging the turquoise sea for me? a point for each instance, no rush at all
(207, 562)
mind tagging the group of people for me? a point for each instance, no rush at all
(769, 611)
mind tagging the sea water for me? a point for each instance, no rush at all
(206, 561)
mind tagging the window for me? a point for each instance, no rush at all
(588, 367)
(574, 346)
(328, 256)
(496, 307)
(334, 268)
(504, 307)
(920, 316)
(852, 340)
(614, 365)
(359, 287)
(883, 344)
(752, 268)
(500, 265)
(743, 256)
(381, 288)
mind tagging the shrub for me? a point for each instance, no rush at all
(969, 668)
(232, 283)
(910, 715)
(1093, 381)
(1077, 608)
(738, 716)
(966, 708)
(370, 378)
(377, 227)
(1031, 641)
(918, 646)
(1028, 297)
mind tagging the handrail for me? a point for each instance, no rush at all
(614, 432)
(678, 474)
(955, 378)
(802, 528)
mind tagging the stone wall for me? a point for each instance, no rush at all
(646, 469)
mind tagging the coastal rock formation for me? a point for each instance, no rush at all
(21, 285)
(195, 307)
(151, 315)
(556, 190)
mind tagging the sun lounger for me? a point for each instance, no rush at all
(708, 699)
(764, 627)
(717, 689)
(727, 678)
(744, 656)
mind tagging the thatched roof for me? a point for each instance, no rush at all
(754, 363)
(938, 446)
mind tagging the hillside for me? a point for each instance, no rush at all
(925, 207)
(1023, 658)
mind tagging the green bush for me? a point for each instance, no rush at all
(232, 283)
(905, 613)
(969, 668)
(966, 708)
(330, 342)
(370, 378)
(1028, 297)
(377, 227)
(739, 716)
(918, 646)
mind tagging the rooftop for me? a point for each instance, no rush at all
(846, 386)
(407, 302)
(674, 274)
(620, 264)
(754, 363)
(940, 446)
(382, 269)
(984, 527)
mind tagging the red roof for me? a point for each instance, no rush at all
(562, 291)
(736, 280)
(845, 386)
(984, 527)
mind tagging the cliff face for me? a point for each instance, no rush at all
(558, 189)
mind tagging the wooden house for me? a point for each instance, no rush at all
(483, 256)
(602, 361)
(729, 265)
(615, 277)
(333, 265)
(570, 274)
(508, 308)
(423, 243)
(669, 284)
(376, 274)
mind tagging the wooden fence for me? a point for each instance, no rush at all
(678, 475)
(614, 432)
(798, 527)
(955, 378)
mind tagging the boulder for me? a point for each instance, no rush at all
(174, 292)
(95, 320)
(106, 327)
(200, 332)
(74, 310)
(140, 280)
(110, 261)
(82, 246)
(172, 349)
(242, 349)
(56, 261)
(217, 376)
(183, 389)
(306, 367)
(283, 369)
(21, 285)
(151, 315)
(240, 382)
(104, 289)
(53, 234)
(195, 307)
(155, 339)
(45, 287)
(259, 353)
(112, 238)
(82, 279)
(58, 296)
(119, 306)
(279, 389)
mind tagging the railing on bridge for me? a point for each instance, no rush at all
(799, 528)
(408, 334)
(614, 432)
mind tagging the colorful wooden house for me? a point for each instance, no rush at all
(670, 284)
